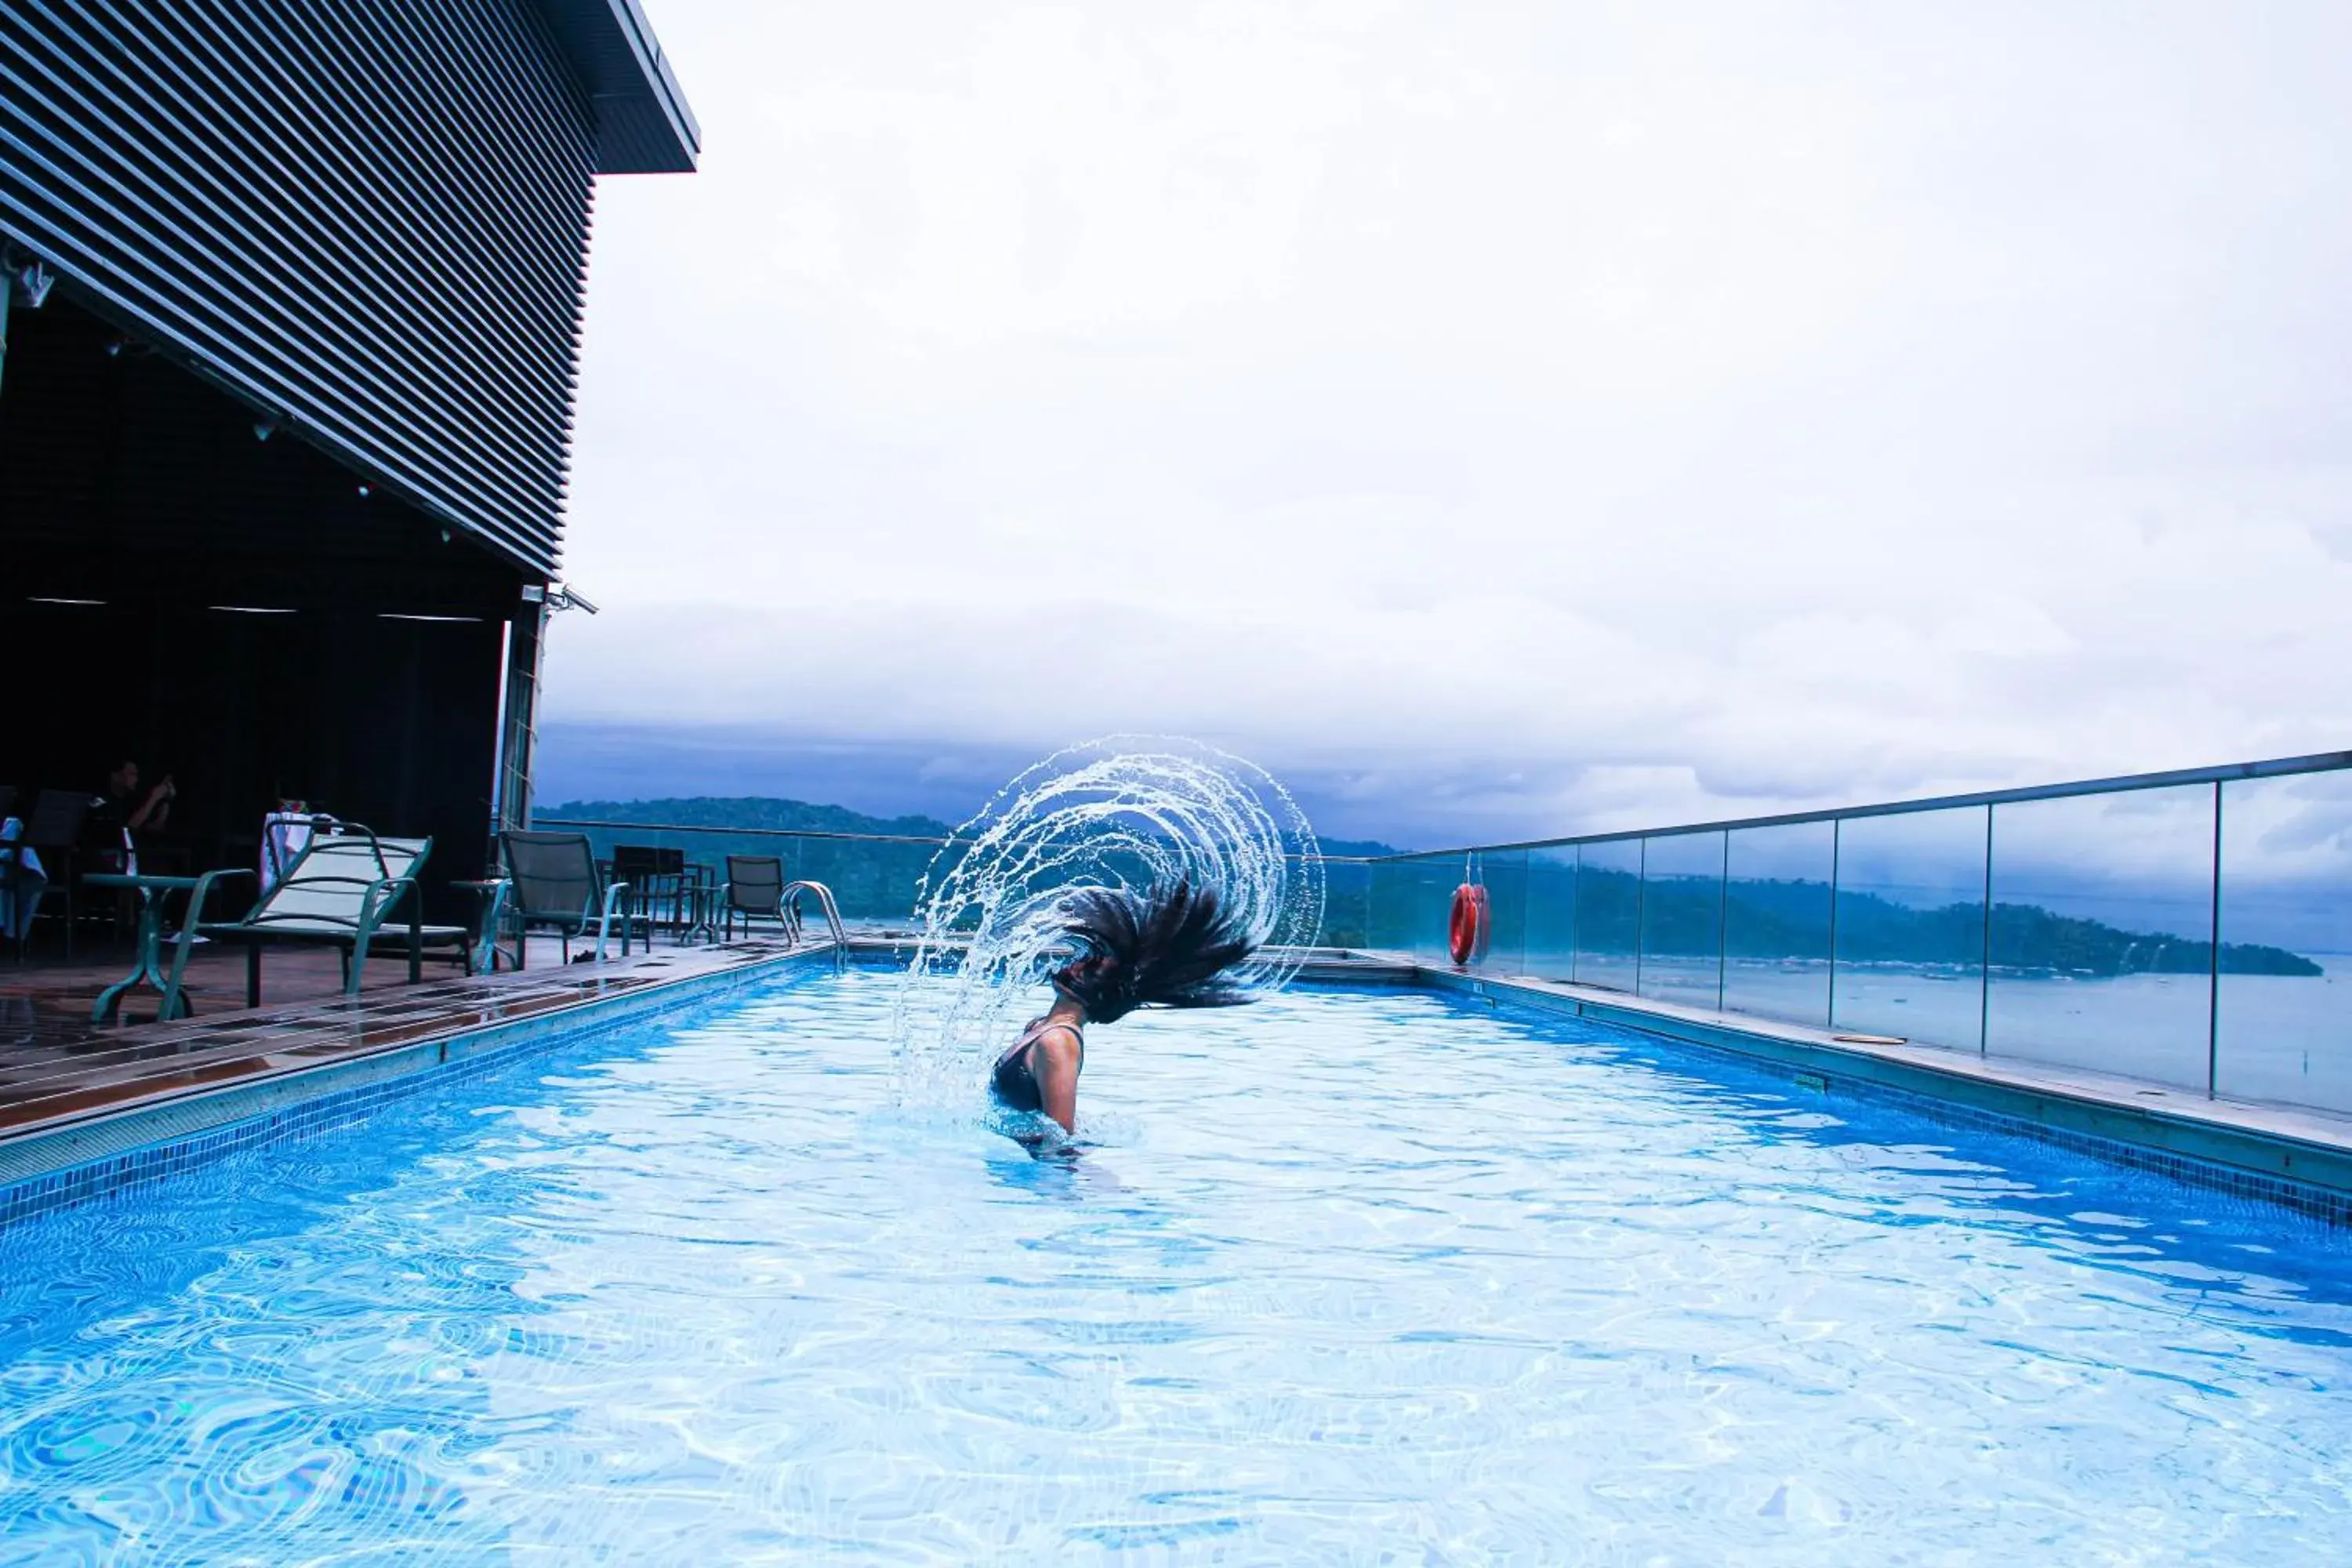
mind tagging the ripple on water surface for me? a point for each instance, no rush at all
(1349, 1278)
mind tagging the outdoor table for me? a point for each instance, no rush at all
(699, 895)
(490, 900)
(150, 966)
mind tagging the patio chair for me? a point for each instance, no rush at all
(338, 892)
(52, 830)
(558, 887)
(755, 890)
(656, 879)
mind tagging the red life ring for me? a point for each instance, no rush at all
(1467, 927)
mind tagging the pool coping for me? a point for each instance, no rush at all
(2301, 1159)
(81, 1155)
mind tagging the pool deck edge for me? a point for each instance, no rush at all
(2300, 1158)
(83, 1155)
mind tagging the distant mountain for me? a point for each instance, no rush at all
(1771, 919)
(802, 816)
(745, 811)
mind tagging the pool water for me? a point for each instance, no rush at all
(1353, 1277)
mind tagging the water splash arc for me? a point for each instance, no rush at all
(1126, 811)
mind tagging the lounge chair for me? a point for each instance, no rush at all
(755, 890)
(339, 892)
(558, 887)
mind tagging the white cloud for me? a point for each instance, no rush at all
(1660, 412)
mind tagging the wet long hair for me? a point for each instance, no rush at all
(1169, 948)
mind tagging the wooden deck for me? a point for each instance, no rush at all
(49, 998)
(56, 1068)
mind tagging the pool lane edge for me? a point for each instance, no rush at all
(2235, 1147)
(87, 1159)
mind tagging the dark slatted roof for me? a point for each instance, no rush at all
(368, 223)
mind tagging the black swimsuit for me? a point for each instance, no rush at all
(1015, 1080)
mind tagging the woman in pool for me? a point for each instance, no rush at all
(1168, 949)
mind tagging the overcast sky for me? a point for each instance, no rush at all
(1504, 419)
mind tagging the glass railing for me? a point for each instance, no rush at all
(875, 877)
(872, 878)
(2192, 929)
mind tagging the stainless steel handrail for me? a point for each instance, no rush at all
(791, 900)
(2227, 773)
(570, 824)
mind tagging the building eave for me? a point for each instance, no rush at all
(644, 125)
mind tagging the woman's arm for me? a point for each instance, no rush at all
(1054, 1061)
(155, 810)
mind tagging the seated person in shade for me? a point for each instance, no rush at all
(1168, 949)
(123, 814)
(22, 882)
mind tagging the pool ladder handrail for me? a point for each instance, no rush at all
(791, 900)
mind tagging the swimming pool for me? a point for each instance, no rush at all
(1356, 1277)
